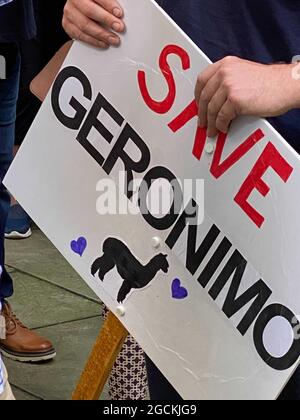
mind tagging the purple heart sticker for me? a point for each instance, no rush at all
(79, 246)
(178, 292)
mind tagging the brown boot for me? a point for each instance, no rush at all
(21, 344)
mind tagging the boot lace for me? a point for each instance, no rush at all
(11, 320)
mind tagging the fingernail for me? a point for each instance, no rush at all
(113, 40)
(102, 45)
(117, 12)
(117, 27)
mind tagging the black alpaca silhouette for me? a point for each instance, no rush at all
(134, 274)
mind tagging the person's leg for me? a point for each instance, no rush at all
(128, 378)
(18, 224)
(28, 105)
(8, 98)
(159, 387)
(8, 94)
(35, 54)
(292, 390)
(7, 394)
(20, 343)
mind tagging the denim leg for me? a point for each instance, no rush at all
(159, 387)
(292, 390)
(8, 100)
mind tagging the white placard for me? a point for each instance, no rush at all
(213, 305)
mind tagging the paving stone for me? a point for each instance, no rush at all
(38, 303)
(57, 380)
(37, 256)
(23, 396)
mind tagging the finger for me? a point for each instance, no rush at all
(204, 77)
(214, 108)
(99, 14)
(206, 96)
(112, 6)
(90, 28)
(225, 117)
(75, 33)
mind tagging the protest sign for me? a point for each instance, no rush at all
(209, 288)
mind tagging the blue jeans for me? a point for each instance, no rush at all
(8, 101)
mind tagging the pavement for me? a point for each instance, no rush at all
(52, 299)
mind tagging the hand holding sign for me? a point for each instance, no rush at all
(233, 87)
(94, 22)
